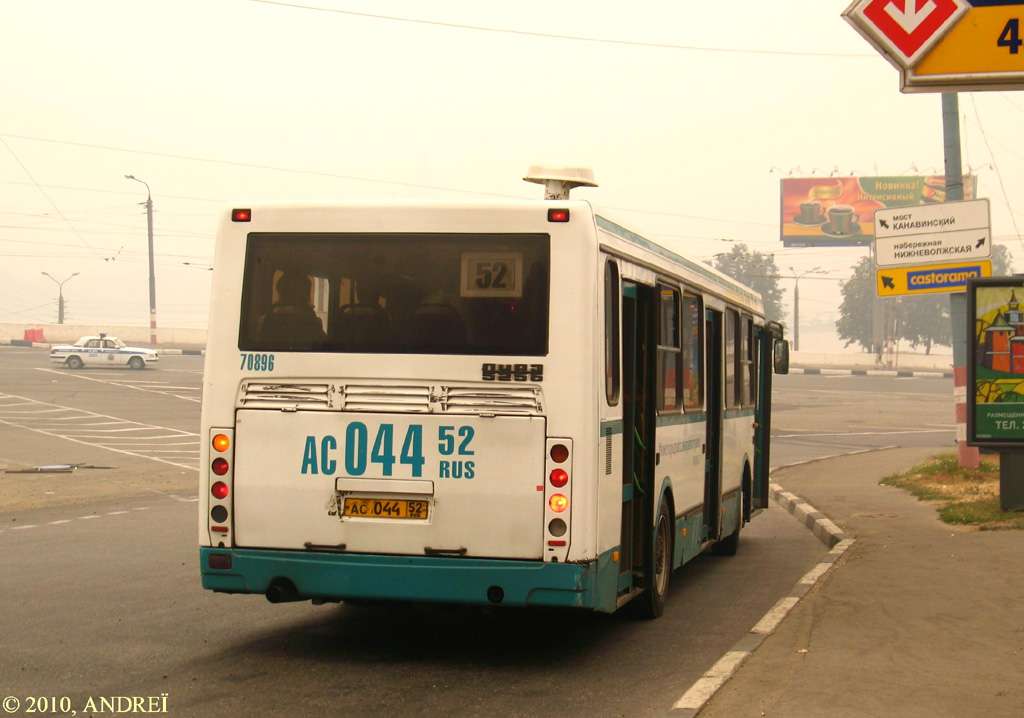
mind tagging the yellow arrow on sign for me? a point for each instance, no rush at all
(929, 279)
(987, 39)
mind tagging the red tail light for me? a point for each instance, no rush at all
(559, 478)
(219, 490)
(220, 466)
(559, 453)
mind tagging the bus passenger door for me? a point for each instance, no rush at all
(713, 436)
(637, 431)
(764, 342)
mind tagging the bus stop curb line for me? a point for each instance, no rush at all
(697, 696)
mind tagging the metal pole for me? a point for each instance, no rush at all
(152, 271)
(60, 294)
(796, 316)
(969, 456)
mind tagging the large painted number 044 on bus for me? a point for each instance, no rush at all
(514, 403)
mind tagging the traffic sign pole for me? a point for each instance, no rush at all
(969, 456)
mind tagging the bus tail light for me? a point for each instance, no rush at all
(558, 499)
(241, 215)
(220, 480)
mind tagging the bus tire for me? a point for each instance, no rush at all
(660, 568)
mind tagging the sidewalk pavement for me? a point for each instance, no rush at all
(914, 618)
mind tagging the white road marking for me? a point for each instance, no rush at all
(160, 436)
(125, 384)
(701, 691)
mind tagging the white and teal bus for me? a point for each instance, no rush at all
(514, 403)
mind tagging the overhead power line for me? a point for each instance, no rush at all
(52, 203)
(995, 166)
(249, 165)
(554, 36)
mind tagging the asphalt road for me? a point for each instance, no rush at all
(102, 596)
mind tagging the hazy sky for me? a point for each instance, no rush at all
(682, 109)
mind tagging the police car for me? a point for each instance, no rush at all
(102, 350)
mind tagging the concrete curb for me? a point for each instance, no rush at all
(901, 373)
(697, 696)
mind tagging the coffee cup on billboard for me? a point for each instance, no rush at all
(841, 219)
(810, 212)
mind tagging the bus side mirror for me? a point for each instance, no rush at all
(781, 356)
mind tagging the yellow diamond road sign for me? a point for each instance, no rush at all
(929, 279)
(946, 45)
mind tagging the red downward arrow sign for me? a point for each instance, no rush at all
(909, 24)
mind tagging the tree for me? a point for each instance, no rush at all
(854, 324)
(757, 271)
(921, 320)
(1002, 262)
(925, 320)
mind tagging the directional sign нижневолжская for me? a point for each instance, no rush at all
(927, 233)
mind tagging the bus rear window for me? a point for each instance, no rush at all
(396, 293)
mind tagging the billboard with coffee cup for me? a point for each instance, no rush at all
(838, 211)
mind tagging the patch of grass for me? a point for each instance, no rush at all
(967, 497)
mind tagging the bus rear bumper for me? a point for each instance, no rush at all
(331, 576)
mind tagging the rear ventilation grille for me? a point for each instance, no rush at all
(391, 398)
(295, 395)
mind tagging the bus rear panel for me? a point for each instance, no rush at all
(378, 406)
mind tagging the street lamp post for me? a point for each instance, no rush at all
(152, 272)
(60, 295)
(796, 303)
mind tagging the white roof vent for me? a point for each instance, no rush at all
(559, 181)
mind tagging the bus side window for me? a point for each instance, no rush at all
(693, 352)
(729, 330)
(611, 332)
(747, 377)
(670, 364)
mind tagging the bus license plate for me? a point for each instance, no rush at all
(385, 508)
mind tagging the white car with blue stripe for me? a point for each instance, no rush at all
(102, 350)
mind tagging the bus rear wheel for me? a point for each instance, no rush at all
(659, 569)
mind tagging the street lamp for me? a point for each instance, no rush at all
(60, 295)
(796, 303)
(152, 273)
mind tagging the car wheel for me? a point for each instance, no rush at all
(136, 363)
(74, 363)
